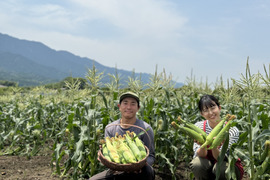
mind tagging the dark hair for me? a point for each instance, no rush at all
(207, 101)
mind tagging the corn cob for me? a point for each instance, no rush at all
(214, 132)
(193, 127)
(112, 151)
(159, 125)
(263, 168)
(128, 155)
(266, 150)
(125, 151)
(134, 148)
(122, 159)
(190, 132)
(105, 151)
(221, 136)
(116, 146)
(139, 144)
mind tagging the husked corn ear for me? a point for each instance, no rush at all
(112, 151)
(125, 151)
(190, 132)
(116, 144)
(140, 145)
(122, 159)
(266, 150)
(105, 152)
(214, 132)
(129, 156)
(193, 127)
(134, 148)
(222, 134)
(263, 168)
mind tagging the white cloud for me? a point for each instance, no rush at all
(136, 18)
(139, 34)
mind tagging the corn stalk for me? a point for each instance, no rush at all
(249, 84)
(266, 79)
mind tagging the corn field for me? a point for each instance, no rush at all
(71, 122)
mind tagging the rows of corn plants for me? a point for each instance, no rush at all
(70, 123)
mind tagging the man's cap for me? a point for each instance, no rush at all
(129, 94)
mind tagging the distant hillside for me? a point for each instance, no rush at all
(32, 63)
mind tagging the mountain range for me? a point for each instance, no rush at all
(31, 63)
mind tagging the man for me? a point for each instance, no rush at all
(129, 105)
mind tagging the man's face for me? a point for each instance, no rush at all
(128, 108)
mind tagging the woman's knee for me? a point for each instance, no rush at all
(200, 163)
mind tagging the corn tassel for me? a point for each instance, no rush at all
(193, 127)
(214, 132)
(190, 132)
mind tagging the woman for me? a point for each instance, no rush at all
(203, 164)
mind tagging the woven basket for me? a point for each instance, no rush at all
(130, 167)
(123, 167)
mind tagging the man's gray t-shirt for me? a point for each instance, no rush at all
(112, 128)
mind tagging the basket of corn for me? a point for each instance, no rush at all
(123, 152)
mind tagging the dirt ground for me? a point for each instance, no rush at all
(21, 168)
(38, 168)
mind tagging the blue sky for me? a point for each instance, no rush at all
(208, 38)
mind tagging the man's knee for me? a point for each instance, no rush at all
(149, 172)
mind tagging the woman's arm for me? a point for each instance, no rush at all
(215, 152)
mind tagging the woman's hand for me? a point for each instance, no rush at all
(197, 141)
(218, 147)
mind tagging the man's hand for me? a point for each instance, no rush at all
(100, 148)
(135, 172)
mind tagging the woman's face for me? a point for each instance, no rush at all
(211, 113)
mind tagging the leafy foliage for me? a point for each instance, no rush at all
(71, 122)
